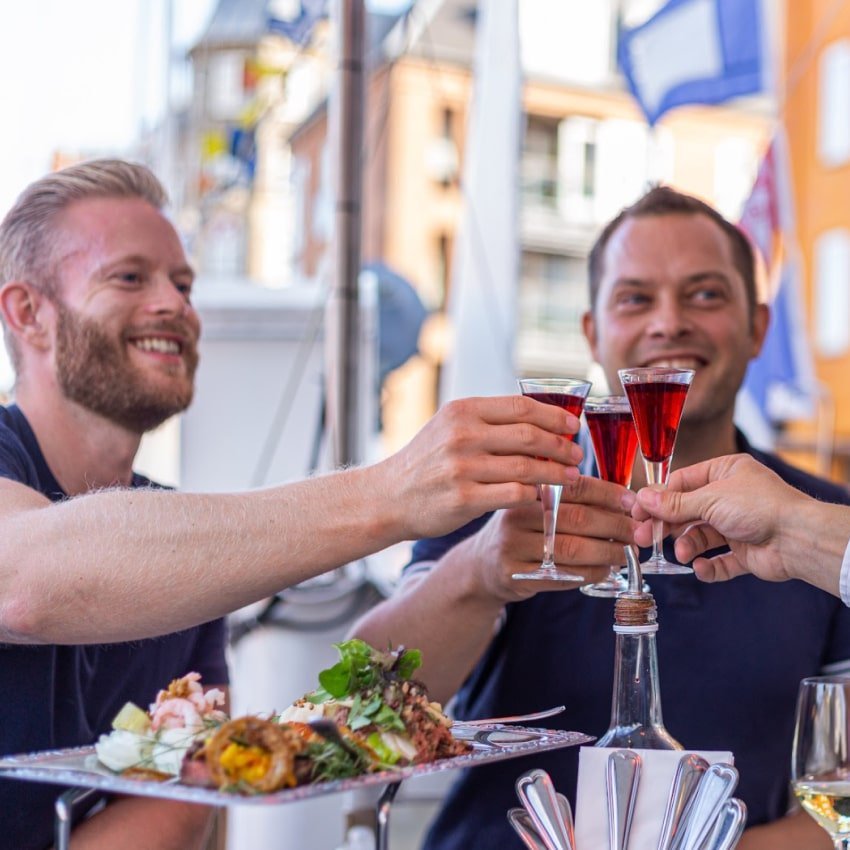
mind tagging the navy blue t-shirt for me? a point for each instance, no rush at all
(66, 696)
(731, 656)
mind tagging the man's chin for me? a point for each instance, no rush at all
(144, 418)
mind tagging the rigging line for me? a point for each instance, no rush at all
(286, 400)
(287, 397)
(289, 390)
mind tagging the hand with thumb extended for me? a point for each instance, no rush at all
(729, 501)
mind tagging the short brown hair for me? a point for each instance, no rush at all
(27, 237)
(663, 200)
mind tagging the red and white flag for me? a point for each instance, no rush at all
(780, 383)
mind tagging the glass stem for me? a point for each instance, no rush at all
(550, 496)
(657, 473)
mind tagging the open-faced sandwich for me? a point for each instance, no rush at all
(381, 717)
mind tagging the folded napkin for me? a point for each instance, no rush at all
(658, 767)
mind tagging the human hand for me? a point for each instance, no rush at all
(593, 527)
(477, 455)
(732, 500)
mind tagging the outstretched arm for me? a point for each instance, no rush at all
(773, 530)
(143, 563)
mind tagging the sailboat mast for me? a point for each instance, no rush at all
(344, 327)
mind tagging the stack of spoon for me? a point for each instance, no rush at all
(701, 813)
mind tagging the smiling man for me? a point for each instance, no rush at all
(671, 283)
(95, 300)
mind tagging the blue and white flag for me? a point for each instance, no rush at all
(694, 51)
(295, 19)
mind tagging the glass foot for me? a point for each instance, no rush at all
(547, 574)
(660, 566)
(609, 589)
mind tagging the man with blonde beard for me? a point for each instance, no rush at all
(95, 299)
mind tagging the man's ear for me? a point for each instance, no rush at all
(761, 320)
(21, 306)
(588, 325)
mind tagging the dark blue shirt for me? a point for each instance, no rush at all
(66, 696)
(731, 656)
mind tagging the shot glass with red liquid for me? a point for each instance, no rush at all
(657, 396)
(612, 432)
(568, 394)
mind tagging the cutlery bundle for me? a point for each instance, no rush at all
(700, 811)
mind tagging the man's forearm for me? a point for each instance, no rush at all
(812, 540)
(140, 823)
(442, 615)
(147, 562)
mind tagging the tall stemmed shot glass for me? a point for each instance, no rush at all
(820, 754)
(570, 395)
(657, 395)
(612, 432)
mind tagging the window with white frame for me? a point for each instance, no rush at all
(832, 292)
(833, 118)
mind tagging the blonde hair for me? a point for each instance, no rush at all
(27, 235)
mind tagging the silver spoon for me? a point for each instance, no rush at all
(520, 820)
(729, 826)
(537, 794)
(567, 817)
(715, 788)
(513, 718)
(688, 774)
(622, 779)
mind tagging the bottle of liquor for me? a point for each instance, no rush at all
(636, 721)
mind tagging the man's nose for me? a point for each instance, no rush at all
(669, 319)
(166, 299)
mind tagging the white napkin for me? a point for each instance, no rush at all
(658, 767)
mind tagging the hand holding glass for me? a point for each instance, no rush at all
(657, 395)
(570, 395)
(612, 432)
(820, 754)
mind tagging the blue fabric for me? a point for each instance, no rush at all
(739, 31)
(66, 696)
(780, 365)
(731, 656)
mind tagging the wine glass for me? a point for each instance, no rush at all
(570, 395)
(612, 432)
(820, 754)
(657, 395)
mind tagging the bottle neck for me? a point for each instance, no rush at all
(636, 719)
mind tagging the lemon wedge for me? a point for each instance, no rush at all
(131, 718)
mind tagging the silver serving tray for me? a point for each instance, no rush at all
(79, 767)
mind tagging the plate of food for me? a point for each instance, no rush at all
(369, 722)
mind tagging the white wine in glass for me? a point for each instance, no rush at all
(820, 755)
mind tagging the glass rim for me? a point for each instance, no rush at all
(648, 374)
(607, 402)
(555, 383)
(833, 679)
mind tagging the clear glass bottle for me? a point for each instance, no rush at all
(636, 721)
